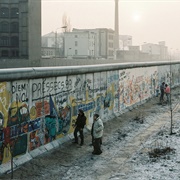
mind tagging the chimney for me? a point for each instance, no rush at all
(116, 27)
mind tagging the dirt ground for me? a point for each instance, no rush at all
(122, 137)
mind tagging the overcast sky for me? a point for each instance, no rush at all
(148, 21)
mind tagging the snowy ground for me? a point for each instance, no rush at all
(126, 146)
(164, 167)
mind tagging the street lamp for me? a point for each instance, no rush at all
(177, 54)
(64, 27)
(101, 47)
(56, 44)
(170, 101)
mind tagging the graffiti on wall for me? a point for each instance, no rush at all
(38, 111)
(165, 72)
(112, 93)
(136, 85)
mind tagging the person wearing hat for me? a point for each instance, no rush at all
(79, 125)
(97, 134)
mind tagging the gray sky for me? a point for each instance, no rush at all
(146, 20)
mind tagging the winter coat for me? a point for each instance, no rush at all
(98, 128)
(162, 87)
(80, 121)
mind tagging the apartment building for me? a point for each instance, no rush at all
(20, 29)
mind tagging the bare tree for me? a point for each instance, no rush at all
(66, 23)
(69, 25)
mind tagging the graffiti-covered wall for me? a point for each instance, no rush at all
(35, 112)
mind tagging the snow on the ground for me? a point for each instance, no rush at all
(140, 165)
(164, 167)
(117, 162)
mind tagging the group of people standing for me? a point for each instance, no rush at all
(96, 131)
(164, 89)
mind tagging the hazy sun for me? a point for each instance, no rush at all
(136, 17)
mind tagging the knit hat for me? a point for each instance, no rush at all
(80, 110)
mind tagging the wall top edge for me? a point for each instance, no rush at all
(40, 72)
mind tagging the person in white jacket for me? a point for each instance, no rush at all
(97, 134)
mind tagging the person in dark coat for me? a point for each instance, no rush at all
(79, 126)
(162, 88)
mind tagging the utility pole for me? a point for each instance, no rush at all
(116, 26)
(170, 97)
(56, 38)
(170, 101)
(56, 43)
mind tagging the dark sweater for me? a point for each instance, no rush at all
(81, 121)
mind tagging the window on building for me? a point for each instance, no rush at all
(17, 53)
(15, 27)
(76, 52)
(5, 53)
(24, 20)
(110, 45)
(4, 12)
(4, 41)
(14, 53)
(4, 27)
(76, 43)
(110, 53)
(14, 13)
(14, 41)
(111, 37)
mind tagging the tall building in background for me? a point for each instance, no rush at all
(116, 26)
(124, 42)
(20, 29)
(90, 43)
(79, 44)
(157, 51)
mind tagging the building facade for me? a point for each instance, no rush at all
(106, 43)
(157, 51)
(103, 42)
(20, 29)
(79, 44)
(48, 52)
(124, 42)
(48, 40)
(53, 41)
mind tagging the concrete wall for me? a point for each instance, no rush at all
(17, 63)
(38, 106)
(76, 62)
